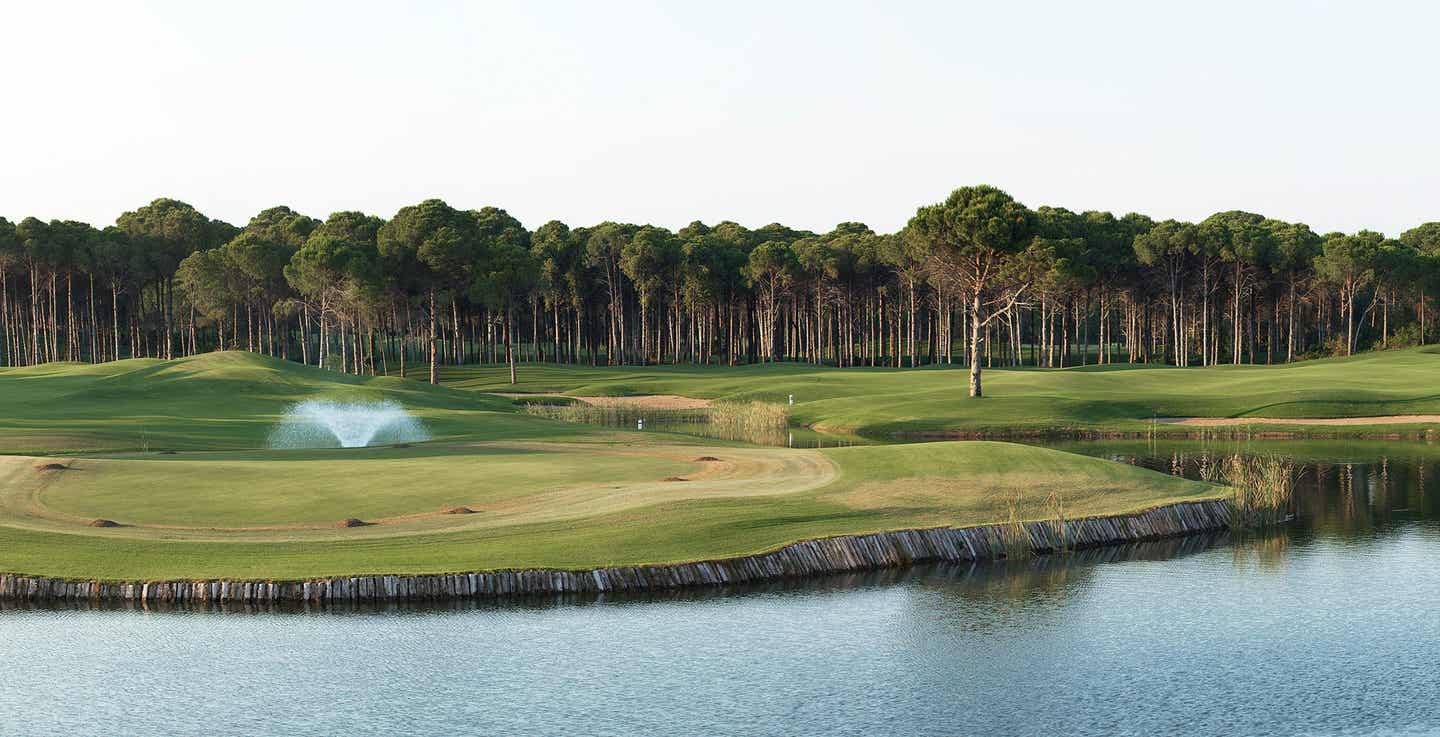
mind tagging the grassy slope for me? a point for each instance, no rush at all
(878, 402)
(564, 504)
(878, 488)
(214, 401)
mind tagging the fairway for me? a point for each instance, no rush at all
(172, 458)
(879, 402)
(203, 497)
(176, 520)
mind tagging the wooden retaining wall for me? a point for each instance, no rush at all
(797, 560)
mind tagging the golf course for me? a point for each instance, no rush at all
(148, 469)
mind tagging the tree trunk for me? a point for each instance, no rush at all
(434, 366)
(975, 328)
(510, 342)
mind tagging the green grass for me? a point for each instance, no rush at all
(214, 401)
(551, 494)
(321, 487)
(1118, 397)
(536, 524)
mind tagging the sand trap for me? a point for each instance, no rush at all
(1224, 421)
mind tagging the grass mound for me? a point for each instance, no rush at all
(214, 401)
(103, 523)
(271, 514)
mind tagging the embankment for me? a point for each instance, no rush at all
(797, 560)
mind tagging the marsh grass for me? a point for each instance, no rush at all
(1055, 518)
(751, 422)
(1011, 535)
(1264, 487)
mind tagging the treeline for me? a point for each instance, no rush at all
(978, 279)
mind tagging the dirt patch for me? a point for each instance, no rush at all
(103, 523)
(706, 459)
(674, 478)
(1338, 421)
(457, 510)
(351, 522)
(52, 467)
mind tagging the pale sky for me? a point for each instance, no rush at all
(802, 113)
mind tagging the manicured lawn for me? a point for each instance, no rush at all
(880, 402)
(215, 401)
(175, 453)
(177, 459)
(753, 499)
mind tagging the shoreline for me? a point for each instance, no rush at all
(803, 559)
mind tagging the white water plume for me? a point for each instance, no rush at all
(319, 423)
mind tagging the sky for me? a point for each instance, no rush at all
(803, 113)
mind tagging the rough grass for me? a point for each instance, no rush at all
(1118, 397)
(1263, 487)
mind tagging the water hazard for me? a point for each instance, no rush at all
(1327, 627)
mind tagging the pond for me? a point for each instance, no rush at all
(1329, 626)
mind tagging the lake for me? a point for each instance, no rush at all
(1328, 626)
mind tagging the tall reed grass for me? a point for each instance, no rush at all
(1011, 535)
(1264, 487)
(750, 422)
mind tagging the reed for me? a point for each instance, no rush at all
(1264, 487)
(1055, 519)
(755, 422)
(751, 422)
(1012, 536)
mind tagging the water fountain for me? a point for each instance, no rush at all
(320, 423)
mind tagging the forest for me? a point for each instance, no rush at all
(977, 279)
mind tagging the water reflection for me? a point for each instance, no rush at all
(1348, 489)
